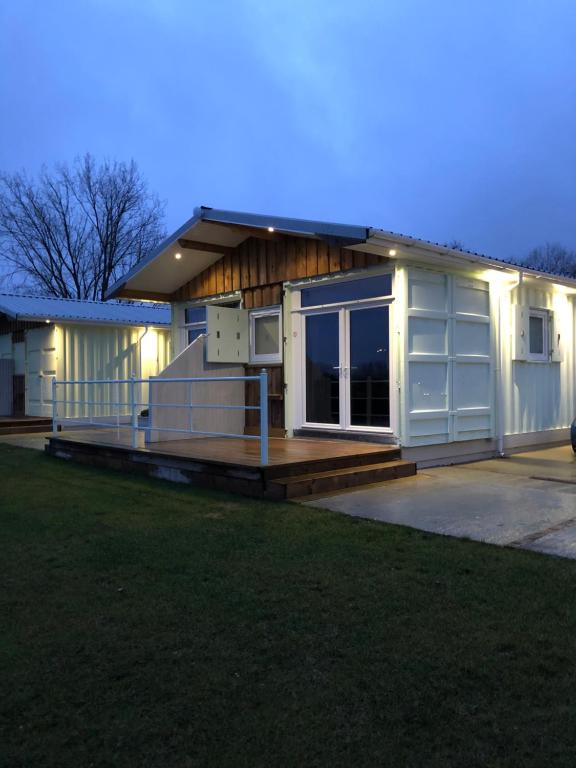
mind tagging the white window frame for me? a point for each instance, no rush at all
(266, 312)
(544, 356)
(199, 325)
(296, 287)
(222, 299)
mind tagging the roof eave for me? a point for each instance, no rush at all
(464, 257)
(349, 233)
(89, 321)
(116, 289)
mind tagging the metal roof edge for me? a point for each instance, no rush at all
(286, 224)
(95, 321)
(351, 232)
(470, 257)
(24, 308)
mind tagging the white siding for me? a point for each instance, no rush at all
(448, 357)
(85, 352)
(41, 367)
(447, 365)
(104, 352)
(538, 396)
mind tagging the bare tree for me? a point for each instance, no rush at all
(455, 244)
(74, 231)
(554, 258)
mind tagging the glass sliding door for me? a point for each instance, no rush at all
(322, 372)
(369, 380)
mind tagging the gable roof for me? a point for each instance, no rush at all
(74, 310)
(211, 233)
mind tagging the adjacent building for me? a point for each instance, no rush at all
(42, 338)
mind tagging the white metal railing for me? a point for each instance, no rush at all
(124, 411)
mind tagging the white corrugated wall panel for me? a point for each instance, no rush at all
(447, 388)
(539, 396)
(90, 352)
(40, 367)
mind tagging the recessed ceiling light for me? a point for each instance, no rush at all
(392, 252)
(270, 229)
(177, 256)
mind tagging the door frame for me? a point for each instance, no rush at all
(343, 310)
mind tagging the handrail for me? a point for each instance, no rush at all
(133, 403)
(159, 378)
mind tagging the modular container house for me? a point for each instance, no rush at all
(42, 338)
(372, 335)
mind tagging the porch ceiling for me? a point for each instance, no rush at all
(164, 274)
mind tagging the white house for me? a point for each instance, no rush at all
(42, 338)
(371, 334)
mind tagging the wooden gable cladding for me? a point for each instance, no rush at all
(258, 267)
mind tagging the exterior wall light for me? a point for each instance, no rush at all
(270, 229)
(392, 252)
(177, 256)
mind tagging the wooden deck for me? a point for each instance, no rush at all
(296, 467)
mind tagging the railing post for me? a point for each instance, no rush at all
(54, 407)
(190, 413)
(133, 411)
(264, 416)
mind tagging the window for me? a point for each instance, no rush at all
(538, 335)
(195, 319)
(349, 290)
(194, 323)
(266, 336)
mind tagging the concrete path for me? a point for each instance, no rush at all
(527, 501)
(37, 440)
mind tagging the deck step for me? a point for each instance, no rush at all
(338, 479)
(23, 426)
(331, 464)
(28, 429)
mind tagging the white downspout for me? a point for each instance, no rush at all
(139, 348)
(500, 362)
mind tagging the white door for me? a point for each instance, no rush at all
(40, 370)
(346, 368)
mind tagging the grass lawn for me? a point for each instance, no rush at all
(150, 625)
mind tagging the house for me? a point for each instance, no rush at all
(42, 338)
(371, 335)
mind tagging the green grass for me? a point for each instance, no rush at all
(150, 625)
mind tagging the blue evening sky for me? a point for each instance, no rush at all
(445, 119)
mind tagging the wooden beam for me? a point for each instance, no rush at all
(195, 245)
(144, 295)
(261, 232)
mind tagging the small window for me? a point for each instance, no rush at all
(195, 315)
(266, 336)
(195, 320)
(194, 323)
(538, 335)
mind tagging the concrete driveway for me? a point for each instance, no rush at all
(37, 440)
(527, 501)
